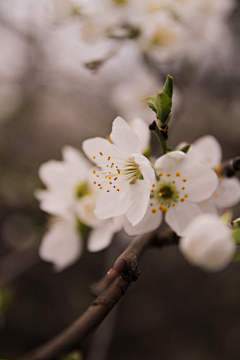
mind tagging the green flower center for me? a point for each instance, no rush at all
(81, 189)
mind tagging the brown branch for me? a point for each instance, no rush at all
(123, 273)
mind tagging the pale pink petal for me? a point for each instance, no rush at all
(227, 193)
(124, 137)
(179, 216)
(138, 200)
(151, 221)
(99, 149)
(61, 245)
(113, 203)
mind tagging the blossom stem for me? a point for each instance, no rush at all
(127, 263)
(161, 134)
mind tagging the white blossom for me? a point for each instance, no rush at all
(70, 198)
(180, 187)
(123, 174)
(207, 151)
(208, 243)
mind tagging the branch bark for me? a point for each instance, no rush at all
(110, 289)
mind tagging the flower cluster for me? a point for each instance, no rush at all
(126, 189)
(169, 31)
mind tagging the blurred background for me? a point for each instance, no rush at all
(58, 88)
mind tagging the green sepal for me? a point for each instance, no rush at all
(164, 105)
(168, 150)
(168, 86)
(236, 236)
(151, 101)
(82, 228)
(185, 148)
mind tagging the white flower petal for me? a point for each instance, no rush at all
(74, 156)
(208, 243)
(141, 128)
(113, 203)
(53, 203)
(51, 173)
(207, 151)
(179, 216)
(124, 137)
(208, 206)
(95, 146)
(61, 245)
(227, 193)
(100, 238)
(146, 170)
(138, 199)
(150, 222)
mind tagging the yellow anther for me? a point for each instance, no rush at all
(100, 187)
(165, 208)
(94, 157)
(99, 184)
(114, 186)
(106, 165)
(151, 204)
(116, 166)
(186, 195)
(177, 173)
(109, 172)
(111, 166)
(184, 180)
(106, 176)
(108, 190)
(154, 210)
(182, 199)
(167, 200)
(115, 179)
(160, 194)
(97, 175)
(173, 181)
(94, 182)
(96, 165)
(118, 190)
(183, 187)
(108, 158)
(160, 174)
(151, 196)
(176, 195)
(152, 191)
(173, 204)
(112, 163)
(110, 182)
(153, 185)
(160, 207)
(172, 189)
(94, 171)
(160, 187)
(100, 153)
(168, 174)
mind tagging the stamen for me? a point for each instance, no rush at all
(151, 204)
(94, 182)
(153, 185)
(94, 171)
(173, 181)
(108, 158)
(182, 199)
(177, 173)
(173, 204)
(94, 157)
(168, 174)
(100, 153)
(154, 210)
(183, 187)
(100, 187)
(118, 190)
(108, 190)
(186, 195)
(184, 180)
(160, 174)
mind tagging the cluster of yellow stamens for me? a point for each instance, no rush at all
(166, 192)
(110, 173)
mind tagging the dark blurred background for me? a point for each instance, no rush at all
(48, 99)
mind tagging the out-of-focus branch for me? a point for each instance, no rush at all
(231, 167)
(110, 289)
